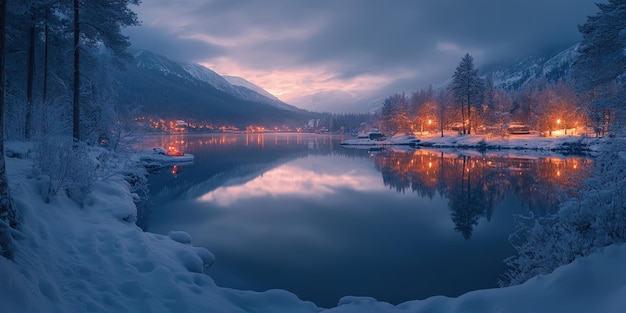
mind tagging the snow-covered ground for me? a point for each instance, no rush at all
(95, 259)
(453, 139)
(400, 140)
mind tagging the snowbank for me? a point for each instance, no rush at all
(567, 144)
(395, 140)
(593, 284)
(94, 259)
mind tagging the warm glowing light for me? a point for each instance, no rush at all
(558, 121)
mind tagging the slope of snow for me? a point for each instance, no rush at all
(148, 60)
(550, 66)
(239, 81)
(208, 76)
(94, 259)
(199, 75)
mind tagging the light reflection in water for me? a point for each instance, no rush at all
(300, 212)
(474, 184)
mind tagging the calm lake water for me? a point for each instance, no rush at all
(302, 213)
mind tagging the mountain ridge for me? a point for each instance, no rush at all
(163, 87)
(551, 66)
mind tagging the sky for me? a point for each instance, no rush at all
(344, 49)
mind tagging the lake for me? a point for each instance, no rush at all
(302, 213)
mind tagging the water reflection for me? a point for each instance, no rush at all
(302, 213)
(473, 184)
(291, 180)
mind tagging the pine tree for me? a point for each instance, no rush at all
(467, 88)
(7, 216)
(602, 57)
(98, 22)
(602, 61)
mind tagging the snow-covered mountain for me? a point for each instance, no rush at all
(550, 66)
(242, 82)
(236, 86)
(165, 87)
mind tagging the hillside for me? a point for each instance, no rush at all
(169, 89)
(551, 66)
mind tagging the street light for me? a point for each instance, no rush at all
(558, 123)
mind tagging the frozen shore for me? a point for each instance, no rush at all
(94, 258)
(564, 144)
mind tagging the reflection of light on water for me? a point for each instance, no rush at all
(292, 180)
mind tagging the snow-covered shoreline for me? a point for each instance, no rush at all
(565, 144)
(94, 258)
(454, 140)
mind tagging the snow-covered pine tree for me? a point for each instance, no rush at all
(468, 88)
(593, 219)
(601, 64)
(99, 23)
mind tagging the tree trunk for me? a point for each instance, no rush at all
(463, 116)
(469, 118)
(76, 103)
(45, 59)
(7, 214)
(29, 80)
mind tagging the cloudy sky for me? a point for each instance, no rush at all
(295, 48)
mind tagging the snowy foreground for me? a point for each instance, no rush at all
(94, 259)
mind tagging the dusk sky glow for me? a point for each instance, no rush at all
(295, 48)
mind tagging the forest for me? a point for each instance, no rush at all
(56, 89)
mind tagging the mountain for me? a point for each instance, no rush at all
(170, 89)
(254, 92)
(551, 66)
(242, 82)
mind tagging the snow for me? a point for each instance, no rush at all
(93, 258)
(453, 139)
(394, 140)
(239, 81)
(150, 157)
